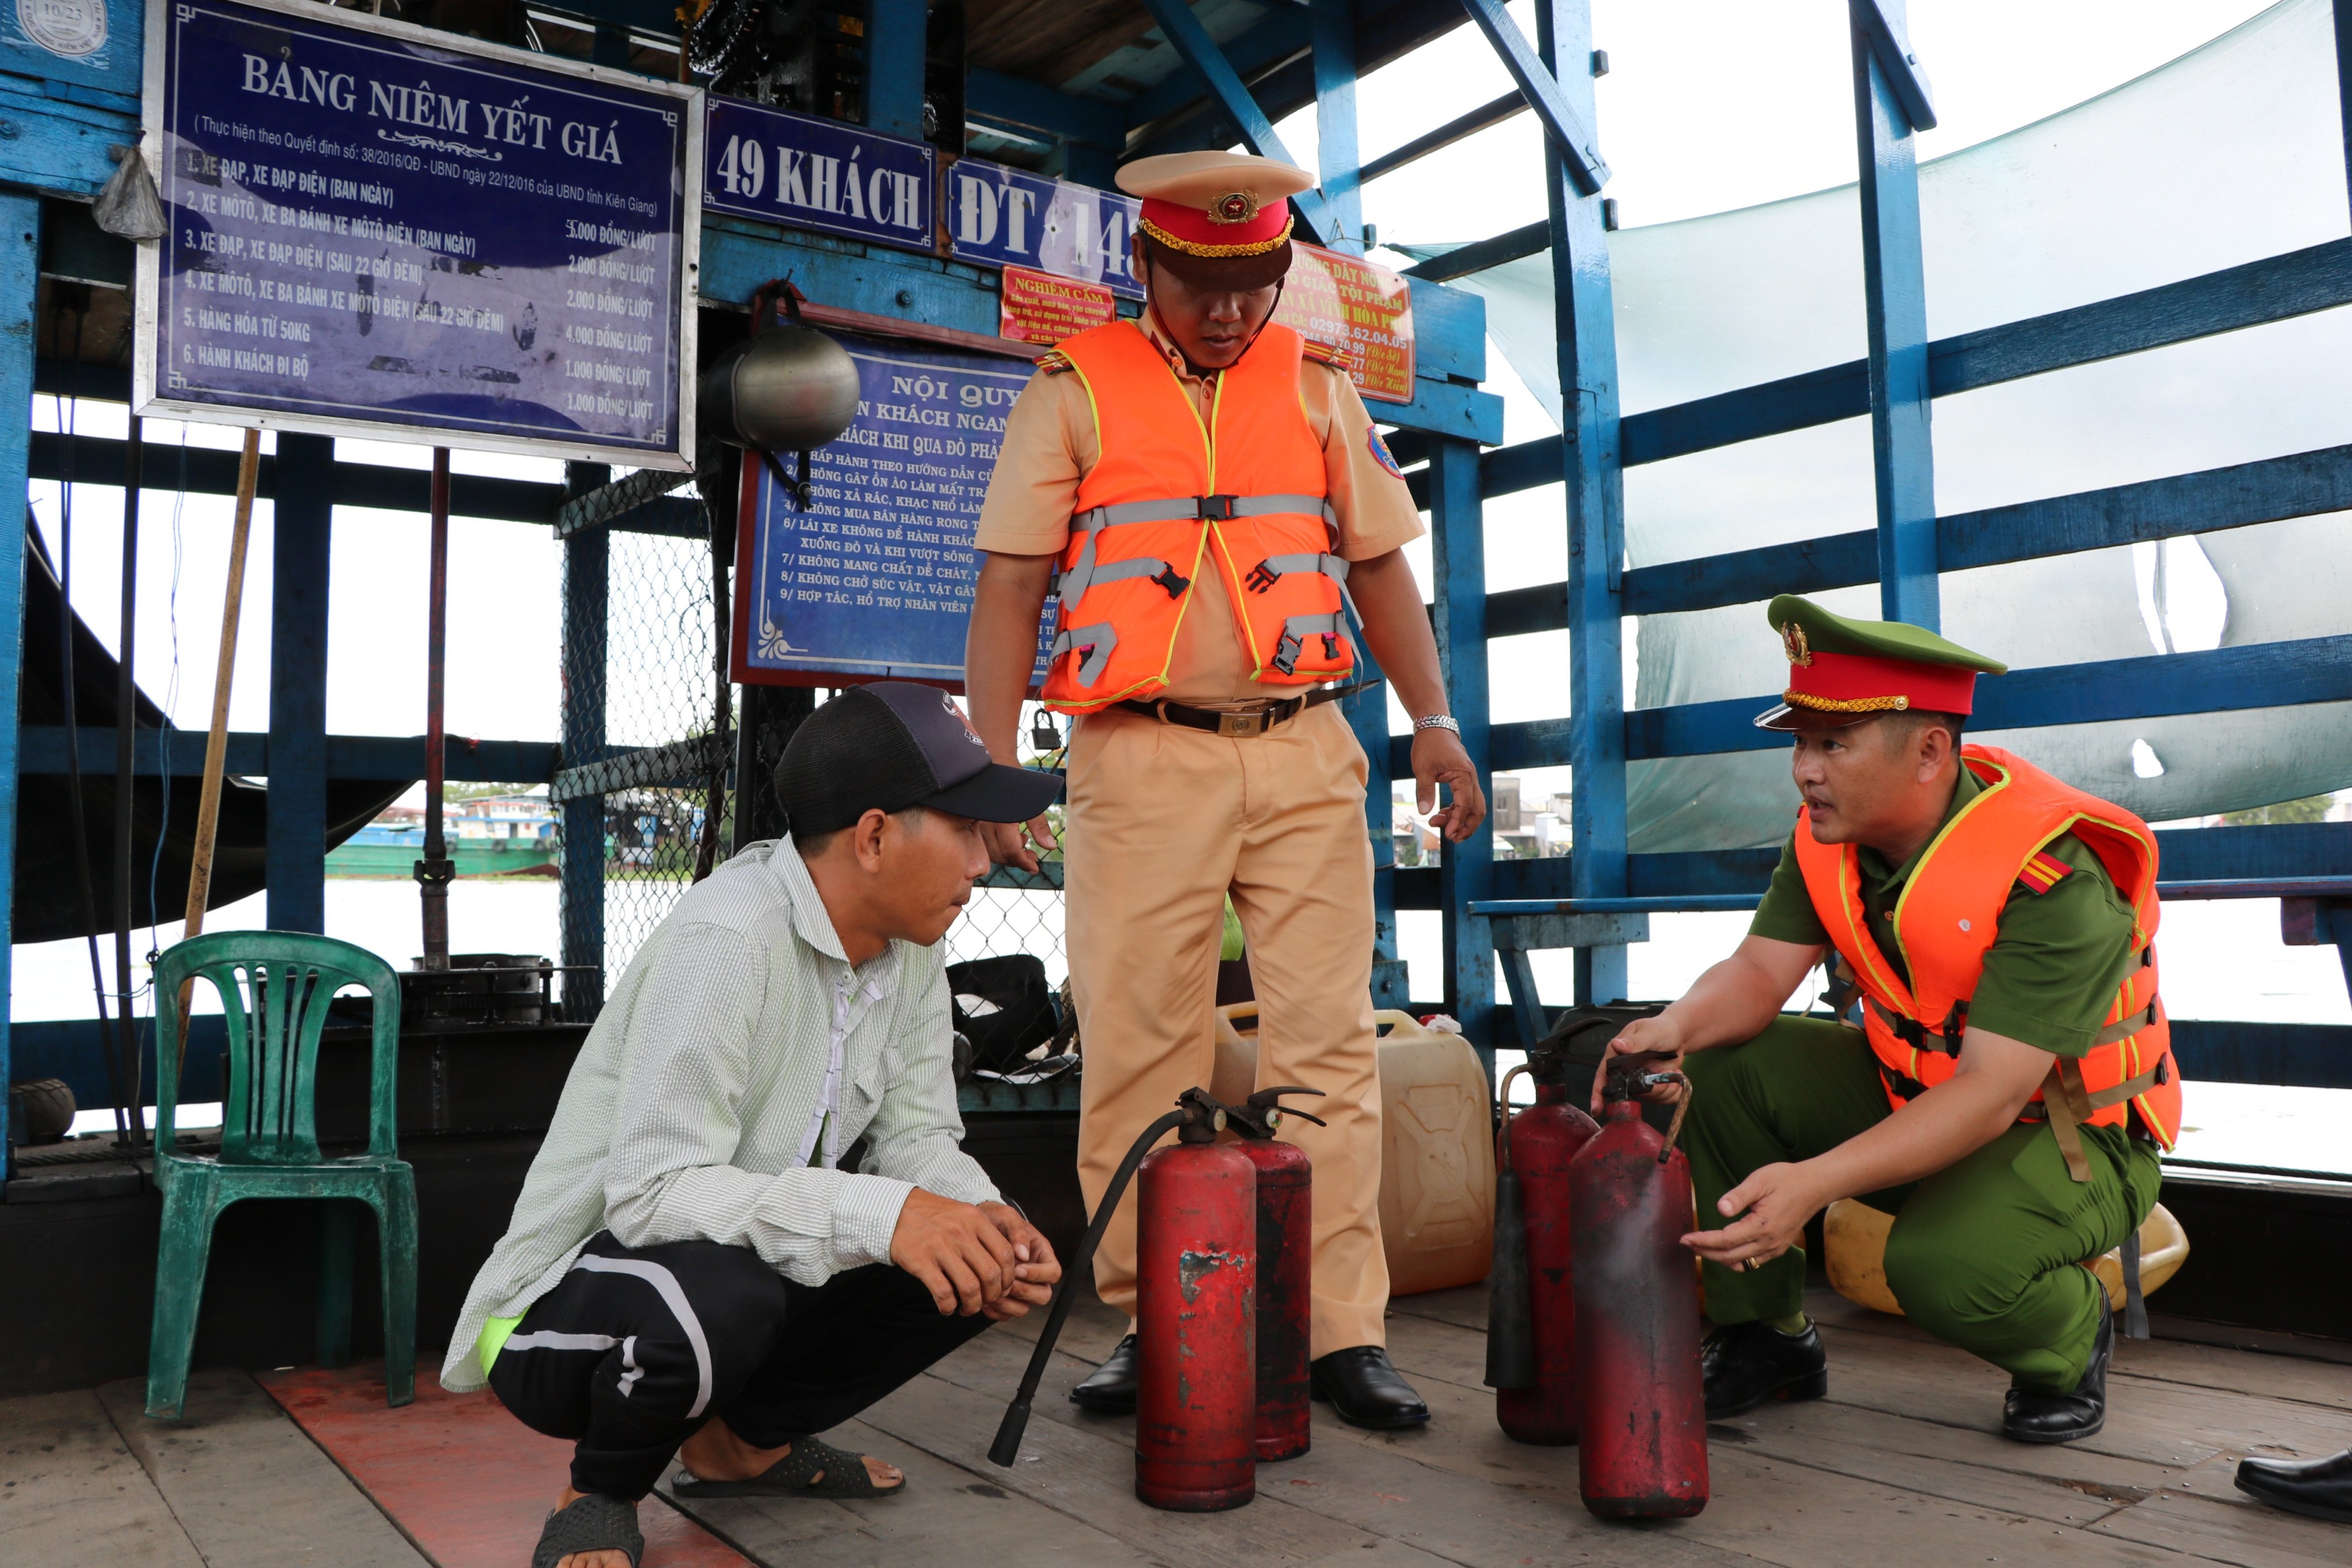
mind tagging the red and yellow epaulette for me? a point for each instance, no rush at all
(1346, 361)
(1053, 361)
(2043, 872)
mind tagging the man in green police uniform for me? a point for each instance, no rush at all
(2008, 1091)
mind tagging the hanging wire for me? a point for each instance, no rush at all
(163, 740)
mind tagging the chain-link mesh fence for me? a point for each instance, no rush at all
(655, 686)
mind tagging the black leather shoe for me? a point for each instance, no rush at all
(2320, 1487)
(1366, 1390)
(2064, 1418)
(1748, 1363)
(1109, 1389)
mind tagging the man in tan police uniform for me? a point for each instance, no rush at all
(1201, 641)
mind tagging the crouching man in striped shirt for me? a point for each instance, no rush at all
(688, 1270)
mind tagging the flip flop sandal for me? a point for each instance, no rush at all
(592, 1523)
(845, 1477)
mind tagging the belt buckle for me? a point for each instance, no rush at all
(1241, 726)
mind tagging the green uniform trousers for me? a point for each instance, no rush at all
(1983, 1253)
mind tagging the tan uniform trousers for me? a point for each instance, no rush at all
(1162, 822)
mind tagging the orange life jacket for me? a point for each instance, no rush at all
(1946, 918)
(1170, 496)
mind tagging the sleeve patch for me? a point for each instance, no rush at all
(2043, 872)
(1380, 450)
(1053, 361)
(1332, 355)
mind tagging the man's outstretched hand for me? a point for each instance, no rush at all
(1036, 1269)
(974, 1258)
(1657, 1033)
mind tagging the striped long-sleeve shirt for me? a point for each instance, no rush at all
(699, 1106)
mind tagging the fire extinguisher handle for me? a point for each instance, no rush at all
(1007, 1446)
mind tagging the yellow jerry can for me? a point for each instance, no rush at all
(1437, 1144)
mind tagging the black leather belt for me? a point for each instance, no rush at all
(1247, 722)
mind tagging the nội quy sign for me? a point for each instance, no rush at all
(875, 581)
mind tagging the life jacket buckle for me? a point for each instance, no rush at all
(1174, 584)
(1217, 508)
(1262, 577)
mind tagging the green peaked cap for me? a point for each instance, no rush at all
(1833, 633)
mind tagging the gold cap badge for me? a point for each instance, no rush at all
(1792, 637)
(1234, 207)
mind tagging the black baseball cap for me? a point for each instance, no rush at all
(892, 746)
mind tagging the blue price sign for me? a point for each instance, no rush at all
(817, 174)
(381, 230)
(1009, 218)
(874, 582)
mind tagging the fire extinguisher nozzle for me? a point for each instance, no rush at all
(1007, 1446)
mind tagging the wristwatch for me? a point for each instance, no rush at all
(1436, 722)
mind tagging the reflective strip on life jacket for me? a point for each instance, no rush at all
(1096, 642)
(1333, 629)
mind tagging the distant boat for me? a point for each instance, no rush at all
(381, 849)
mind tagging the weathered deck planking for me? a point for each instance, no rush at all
(1902, 1464)
(247, 1487)
(71, 1492)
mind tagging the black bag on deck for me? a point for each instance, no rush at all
(1015, 1012)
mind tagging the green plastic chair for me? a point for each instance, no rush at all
(274, 987)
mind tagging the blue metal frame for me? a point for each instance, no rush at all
(20, 250)
(1894, 384)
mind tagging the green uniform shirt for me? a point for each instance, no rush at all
(2053, 967)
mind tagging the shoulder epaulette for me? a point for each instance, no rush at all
(1053, 361)
(1330, 354)
(2043, 872)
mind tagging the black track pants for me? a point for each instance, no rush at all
(639, 1346)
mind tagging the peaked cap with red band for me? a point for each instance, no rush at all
(1845, 671)
(1218, 207)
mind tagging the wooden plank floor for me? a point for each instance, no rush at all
(1903, 1464)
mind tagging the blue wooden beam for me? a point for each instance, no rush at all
(2193, 858)
(894, 67)
(2343, 19)
(1590, 464)
(1511, 245)
(20, 248)
(1335, 120)
(1895, 312)
(1185, 33)
(2305, 484)
(587, 600)
(1283, 35)
(385, 757)
(1880, 23)
(2280, 674)
(994, 97)
(1485, 117)
(2275, 289)
(1458, 559)
(302, 543)
(1565, 109)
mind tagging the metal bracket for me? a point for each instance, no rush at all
(1578, 148)
(1192, 41)
(1879, 22)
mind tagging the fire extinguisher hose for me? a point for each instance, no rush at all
(1007, 1446)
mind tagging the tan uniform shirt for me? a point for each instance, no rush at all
(1050, 445)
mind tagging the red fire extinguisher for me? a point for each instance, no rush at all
(1196, 1274)
(1642, 1402)
(1531, 1312)
(1285, 1257)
